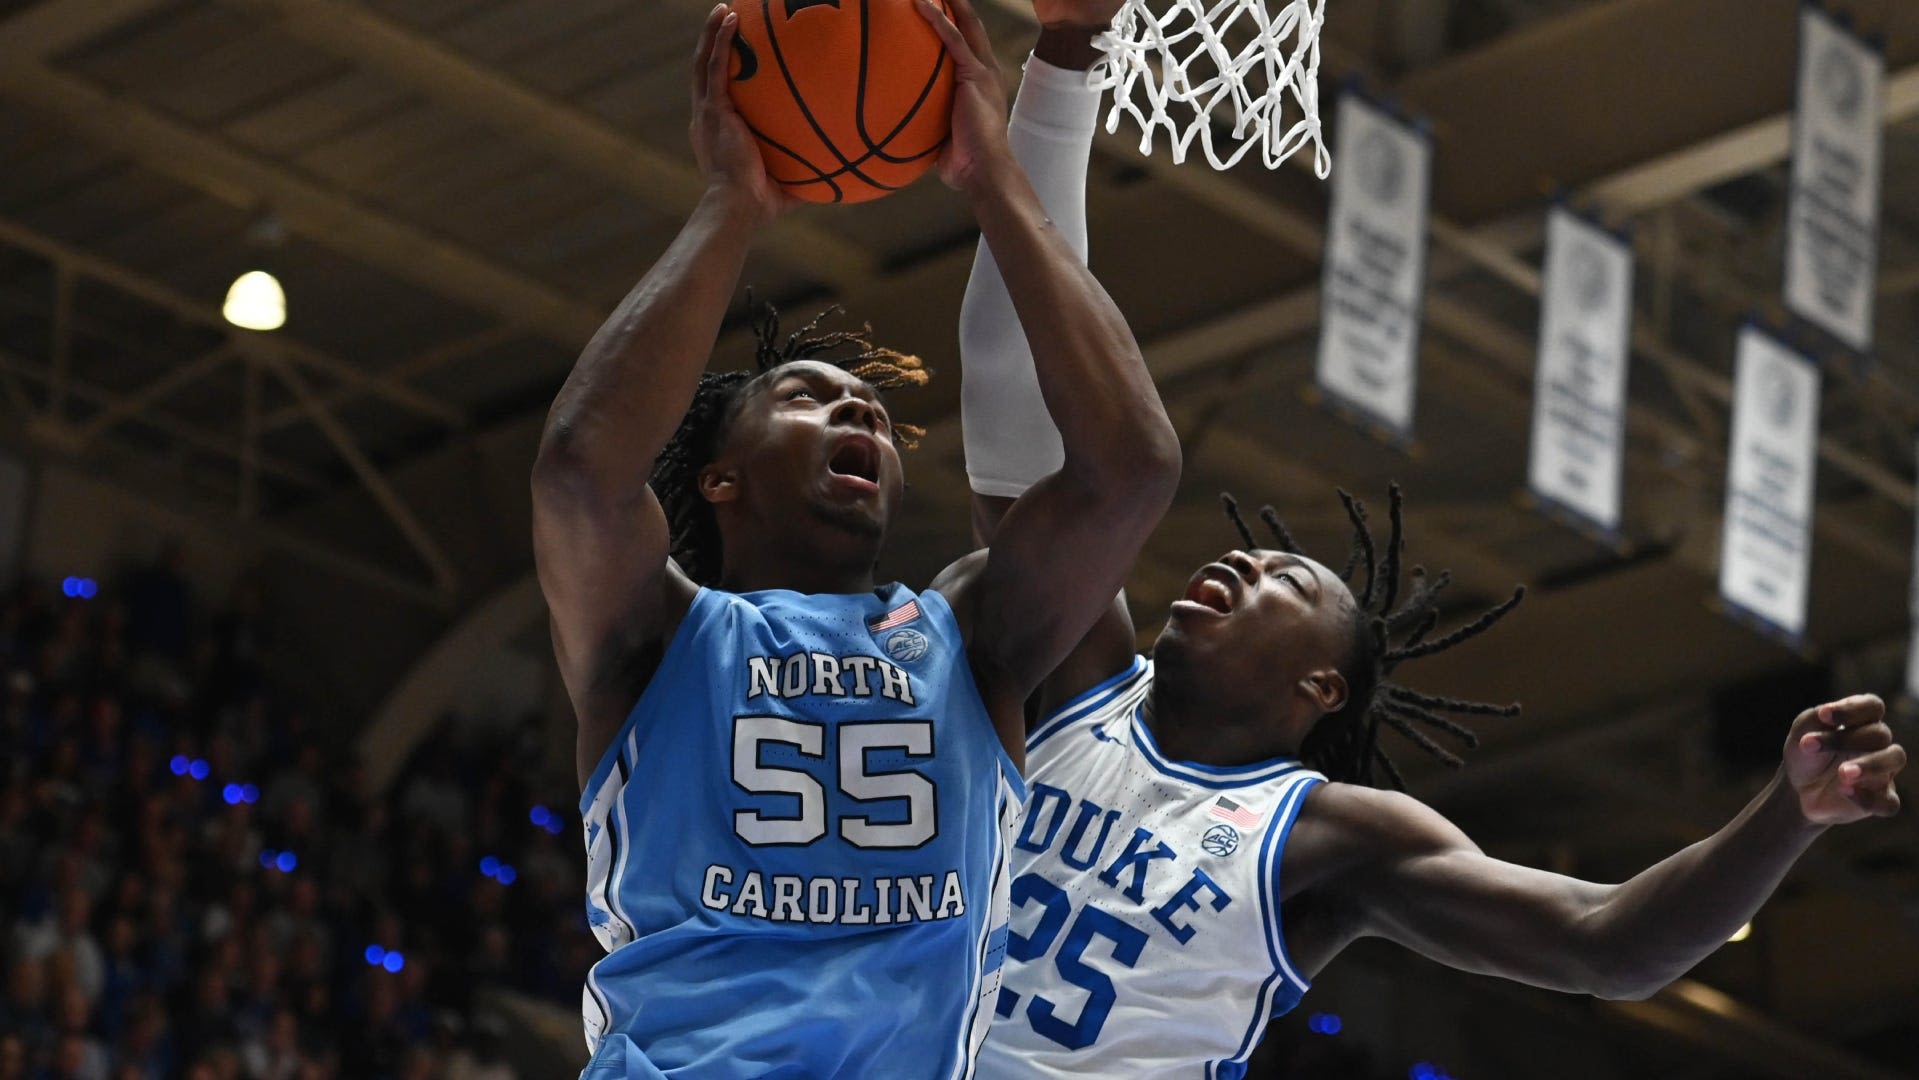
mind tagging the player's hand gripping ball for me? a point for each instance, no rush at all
(850, 99)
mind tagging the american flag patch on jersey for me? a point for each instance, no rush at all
(899, 616)
(1227, 810)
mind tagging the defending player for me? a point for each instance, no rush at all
(1201, 835)
(795, 789)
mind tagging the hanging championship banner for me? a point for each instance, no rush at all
(1832, 232)
(1912, 647)
(1912, 661)
(1765, 558)
(1579, 400)
(1375, 264)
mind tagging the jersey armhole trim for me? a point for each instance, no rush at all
(690, 625)
(1085, 702)
(1283, 973)
(1282, 829)
(1217, 777)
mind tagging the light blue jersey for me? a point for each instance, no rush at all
(796, 847)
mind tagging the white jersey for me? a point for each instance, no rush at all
(1145, 934)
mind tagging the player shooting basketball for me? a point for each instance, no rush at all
(1202, 834)
(795, 789)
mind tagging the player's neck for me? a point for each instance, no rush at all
(786, 571)
(1190, 725)
(802, 555)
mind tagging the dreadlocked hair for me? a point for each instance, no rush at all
(717, 400)
(1388, 630)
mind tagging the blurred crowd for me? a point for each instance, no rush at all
(196, 881)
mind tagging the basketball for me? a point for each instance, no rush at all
(850, 99)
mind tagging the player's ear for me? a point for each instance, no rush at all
(719, 484)
(1327, 688)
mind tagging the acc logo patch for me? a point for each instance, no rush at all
(906, 646)
(1220, 840)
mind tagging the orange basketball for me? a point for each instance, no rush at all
(850, 99)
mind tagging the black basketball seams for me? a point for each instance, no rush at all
(799, 99)
(863, 159)
(749, 60)
(818, 176)
(859, 101)
(874, 150)
(828, 178)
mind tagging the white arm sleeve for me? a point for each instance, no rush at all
(1011, 442)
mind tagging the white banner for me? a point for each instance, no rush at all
(1912, 661)
(1832, 234)
(1912, 647)
(1765, 558)
(1375, 264)
(1579, 397)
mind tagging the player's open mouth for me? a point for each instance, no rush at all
(1212, 588)
(856, 458)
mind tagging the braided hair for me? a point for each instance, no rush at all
(716, 402)
(1387, 632)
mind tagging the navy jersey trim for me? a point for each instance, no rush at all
(1283, 973)
(1295, 802)
(1217, 777)
(1084, 702)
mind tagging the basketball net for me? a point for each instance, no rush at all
(1176, 70)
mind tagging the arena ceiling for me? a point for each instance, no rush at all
(466, 187)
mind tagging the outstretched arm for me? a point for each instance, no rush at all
(1416, 879)
(1039, 447)
(600, 539)
(1011, 442)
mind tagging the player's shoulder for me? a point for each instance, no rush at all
(956, 585)
(961, 570)
(1108, 647)
(1361, 821)
(1118, 693)
(622, 662)
(1111, 686)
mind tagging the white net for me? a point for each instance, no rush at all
(1225, 69)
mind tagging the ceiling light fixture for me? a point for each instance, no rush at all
(255, 300)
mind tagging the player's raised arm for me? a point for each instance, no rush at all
(1011, 443)
(1066, 544)
(1412, 877)
(600, 540)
